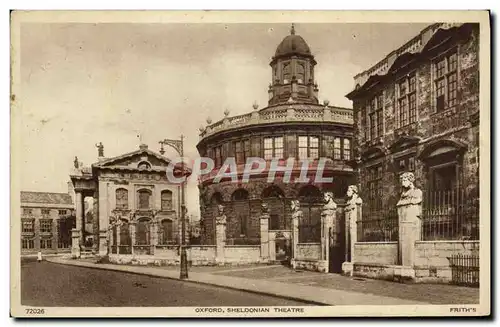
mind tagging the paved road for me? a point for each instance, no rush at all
(48, 284)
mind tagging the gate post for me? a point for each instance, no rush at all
(75, 243)
(352, 214)
(328, 219)
(220, 236)
(409, 213)
(264, 233)
(296, 217)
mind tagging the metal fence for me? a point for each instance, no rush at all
(450, 215)
(310, 233)
(378, 226)
(464, 270)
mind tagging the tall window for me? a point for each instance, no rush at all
(45, 212)
(308, 147)
(218, 156)
(27, 244)
(144, 198)
(375, 187)
(341, 149)
(166, 233)
(242, 151)
(63, 212)
(27, 211)
(376, 116)
(347, 149)
(273, 147)
(337, 149)
(407, 100)
(142, 236)
(286, 73)
(300, 73)
(166, 200)
(121, 198)
(445, 81)
(28, 226)
(45, 225)
(444, 178)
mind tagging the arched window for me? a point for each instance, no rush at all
(142, 232)
(144, 199)
(300, 73)
(241, 211)
(125, 239)
(166, 232)
(274, 197)
(311, 201)
(166, 200)
(121, 198)
(287, 74)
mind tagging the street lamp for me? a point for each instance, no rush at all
(178, 145)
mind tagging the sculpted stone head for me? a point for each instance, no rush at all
(295, 205)
(352, 190)
(264, 208)
(220, 207)
(407, 180)
(328, 196)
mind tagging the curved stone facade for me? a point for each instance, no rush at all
(292, 126)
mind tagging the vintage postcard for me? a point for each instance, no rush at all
(250, 164)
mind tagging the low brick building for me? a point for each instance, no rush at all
(417, 110)
(46, 222)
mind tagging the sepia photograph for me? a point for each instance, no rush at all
(250, 164)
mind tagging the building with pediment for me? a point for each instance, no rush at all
(135, 207)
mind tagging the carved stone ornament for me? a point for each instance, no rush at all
(330, 206)
(353, 199)
(296, 212)
(264, 208)
(410, 194)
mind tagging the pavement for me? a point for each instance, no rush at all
(72, 286)
(311, 287)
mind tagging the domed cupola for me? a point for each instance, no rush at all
(293, 44)
(293, 72)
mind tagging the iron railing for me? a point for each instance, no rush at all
(450, 215)
(378, 226)
(310, 233)
(464, 270)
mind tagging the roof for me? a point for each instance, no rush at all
(293, 44)
(142, 150)
(402, 62)
(46, 197)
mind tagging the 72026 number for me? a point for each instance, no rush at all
(35, 311)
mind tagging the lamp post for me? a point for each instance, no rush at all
(178, 145)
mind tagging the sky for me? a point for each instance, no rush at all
(84, 83)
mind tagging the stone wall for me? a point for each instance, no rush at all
(376, 252)
(308, 251)
(378, 260)
(431, 258)
(242, 254)
(202, 255)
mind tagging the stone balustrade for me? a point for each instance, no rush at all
(282, 114)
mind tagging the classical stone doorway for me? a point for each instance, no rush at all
(337, 246)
